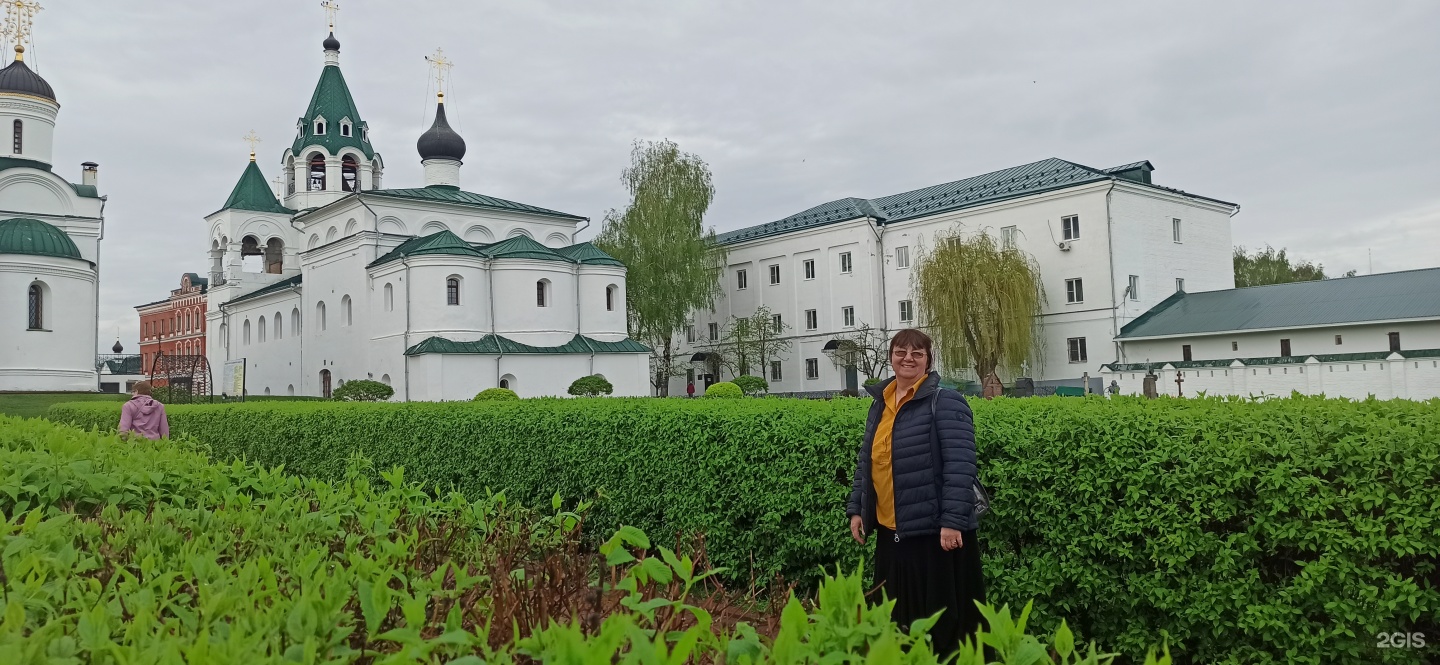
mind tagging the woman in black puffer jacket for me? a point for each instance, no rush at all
(915, 489)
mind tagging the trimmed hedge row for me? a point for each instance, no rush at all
(1292, 530)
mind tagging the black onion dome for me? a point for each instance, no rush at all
(331, 43)
(117, 348)
(440, 142)
(19, 78)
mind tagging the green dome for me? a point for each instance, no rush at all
(32, 236)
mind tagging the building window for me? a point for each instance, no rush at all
(812, 319)
(505, 383)
(345, 309)
(775, 274)
(279, 326)
(319, 127)
(777, 324)
(1007, 237)
(295, 322)
(740, 280)
(775, 371)
(907, 311)
(325, 383)
(714, 331)
(1337, 340)
(1180, 284)
(19, 137)
(320, 315)
(246, 335)
(1076, 347)
(1185, 353)
(809, 268)
(542, 290)
(1133, 290)
(847, 317)
(389, 297)
(1175, 229)
(1074, 290)
(345, 129)
(902, 257)
(1070, 227)
(452, 291)
(260, 329)
(1234, 346)
(812, 368)
(690, 334)
(845, 263)
(1285, 347)
(37, 306)
(1394, 342)
(349, 174)
(610, 298)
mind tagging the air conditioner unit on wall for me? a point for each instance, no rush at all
(1064, 245)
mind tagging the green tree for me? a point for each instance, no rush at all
(672, 262)
(363, 390)
(591, 386)
(1272, 266)
(981, 302)
(867, 348)
(750, 342)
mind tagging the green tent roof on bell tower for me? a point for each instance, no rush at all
(253, 192)
(333, 103)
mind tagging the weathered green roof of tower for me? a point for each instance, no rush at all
(496, 344)
(253, 192)
(332, 101)
(22, 235)
(441, 242)
(522, 247)
(452, 194)
(588, 254)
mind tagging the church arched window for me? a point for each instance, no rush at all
(290, 175)
(320, 315)
(279, 327)
(245, 335)
(345, 128)
(19, 137)
(452, 290)
(319, 127)
(610, 297)
(317, 173)
(349, 174)
(295, 322)
(37, 307)
(345, 311)
(275, 256)
(542, 293)
(261, 327)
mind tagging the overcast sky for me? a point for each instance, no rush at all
(1319, 118)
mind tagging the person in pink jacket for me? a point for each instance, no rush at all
(143, 415)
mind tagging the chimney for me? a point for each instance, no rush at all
(90, 171)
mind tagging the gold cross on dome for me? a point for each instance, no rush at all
(254, 140)
(441, 65)
(19, 17)
(331, 9)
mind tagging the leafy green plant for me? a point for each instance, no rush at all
(169, 395)
(363, 390)
(724, 390)
(871, 381)
(751, 385)
(496, 394)
(591, 386)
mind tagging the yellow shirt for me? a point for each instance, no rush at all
(881, 474)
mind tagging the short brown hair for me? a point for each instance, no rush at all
(912, 338)
(141, 387)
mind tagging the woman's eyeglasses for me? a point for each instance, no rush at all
(902, 354)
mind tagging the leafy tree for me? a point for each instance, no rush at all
(981, 302)
(496, 395)
(867, 348)
(673, 263)
(752, 385)
(591, 386)
(1272, 266)
(363, 390)
(724, 390)
(750, 342)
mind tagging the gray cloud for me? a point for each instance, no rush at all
(1318, 117)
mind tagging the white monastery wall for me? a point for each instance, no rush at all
(436, 377)
(598, 319)
(1360, 338)
(517, 311)
(1395, 377)
(61, 356)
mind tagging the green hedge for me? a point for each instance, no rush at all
(1291, 530)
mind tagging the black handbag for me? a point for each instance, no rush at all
(982, 496)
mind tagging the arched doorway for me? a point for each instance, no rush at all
(325, 383)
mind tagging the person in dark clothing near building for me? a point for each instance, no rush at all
(914, 488)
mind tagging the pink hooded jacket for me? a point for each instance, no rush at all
(146, 417)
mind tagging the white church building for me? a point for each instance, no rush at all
(436, 291)
(50, 231)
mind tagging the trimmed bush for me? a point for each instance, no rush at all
(1278, 531)
(871, 381)
(752, 385)
(591, 386)
(363, 390)
(496, 394)
(724, 390)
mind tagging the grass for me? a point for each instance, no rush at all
(34, 405)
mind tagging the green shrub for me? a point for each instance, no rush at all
(168, 395)
(1285, 530)
(871, 381)
(363, 390)
(724, 390)
(752, 385)
(496, 394)
(591, 386)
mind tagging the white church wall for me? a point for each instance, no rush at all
(60, 357)
(340, 340)
(517, 311)
(596, 320)
(430, 311)
(37, 120)
(448, 377)
(270, 362)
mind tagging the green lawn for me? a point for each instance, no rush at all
(34, 405)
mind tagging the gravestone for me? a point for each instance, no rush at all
(992, 387)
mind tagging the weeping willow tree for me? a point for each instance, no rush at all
(672, 262)
(981, 302)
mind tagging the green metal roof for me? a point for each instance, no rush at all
(1410, 294)
(20, 162)
(496, 344)
(85, 191)
(273, 288)
(332, 101)
(252, 192)
(452, 194)
(440, 242)
(587, 254)
(22, 235)
(522, 247)
(1024, 180)
(1273, 360)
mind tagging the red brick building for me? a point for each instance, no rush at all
(175, 325)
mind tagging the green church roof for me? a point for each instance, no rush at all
(452, 194)
(253, 192)
(523, 247)
(588, 254)
(332, 101)
(22, 235)
(496, 344)
(442, 242)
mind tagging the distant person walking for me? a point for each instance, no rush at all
(143, 415)
(690, 388)
(914, 487)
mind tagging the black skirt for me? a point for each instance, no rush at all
(923, 579)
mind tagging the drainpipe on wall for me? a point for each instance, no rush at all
(884, 303)
(576, 234)
(490, 284)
